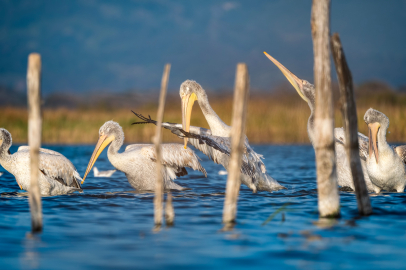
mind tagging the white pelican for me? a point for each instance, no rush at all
(57, 174)
(306, 91)
(385, 166)
(190, 91)
(206, 142)
(97, 173)
(138, 160)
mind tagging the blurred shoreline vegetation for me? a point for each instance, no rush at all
(278, 116)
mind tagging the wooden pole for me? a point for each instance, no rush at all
(158, 199)
(34, 137)
(349, 111)
(329, 201)
(237, 143)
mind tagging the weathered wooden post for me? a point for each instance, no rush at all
(329, 200)
(349, 112)
(158, 199)
(237, 144)
(34, 137)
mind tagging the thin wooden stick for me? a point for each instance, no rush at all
(34, 137)
(158, 199)
(349, 111)
(328, 198)
(241, 91)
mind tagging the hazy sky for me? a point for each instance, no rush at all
(119, 45)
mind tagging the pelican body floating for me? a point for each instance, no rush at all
(215, 142)
(57, 174)
(138, 161)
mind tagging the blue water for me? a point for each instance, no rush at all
(109, 225)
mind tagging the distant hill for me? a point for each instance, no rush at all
(100, 100)
(366, 93)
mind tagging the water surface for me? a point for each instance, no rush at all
(109, 225)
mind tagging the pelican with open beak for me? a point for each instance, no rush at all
(385, 167)
(297, 83)
(307, 92)
(138, 161)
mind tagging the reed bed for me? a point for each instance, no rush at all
(279, 119)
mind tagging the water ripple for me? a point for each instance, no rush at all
(109, 225)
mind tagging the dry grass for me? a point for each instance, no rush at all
(271, 119)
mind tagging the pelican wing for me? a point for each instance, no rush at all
(214, 147)
(203, 136)
(173, 155)
(173, 127)
(362, 141)
(43, 150)
(57, 167)
(401, 151)
(254, 158)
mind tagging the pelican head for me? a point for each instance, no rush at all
(187, 92)
(305, 89)
(109, 132)
(5, 140)
(375, 121)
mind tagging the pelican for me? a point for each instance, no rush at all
(191, 91)
(384, 164)
(307, 92)
(212, 143)
(138, 160)
(57, 174)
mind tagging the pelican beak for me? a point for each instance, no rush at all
(373, 134)
(101, 144)
(187, 105)
(295, 81)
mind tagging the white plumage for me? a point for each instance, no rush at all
(57, 174)
(215, 142)
(307, 92)
(138, 161)
(384, 163)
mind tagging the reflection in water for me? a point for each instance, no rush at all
(157, 228)
(228, 226)
(30, 256)
(326, 223)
